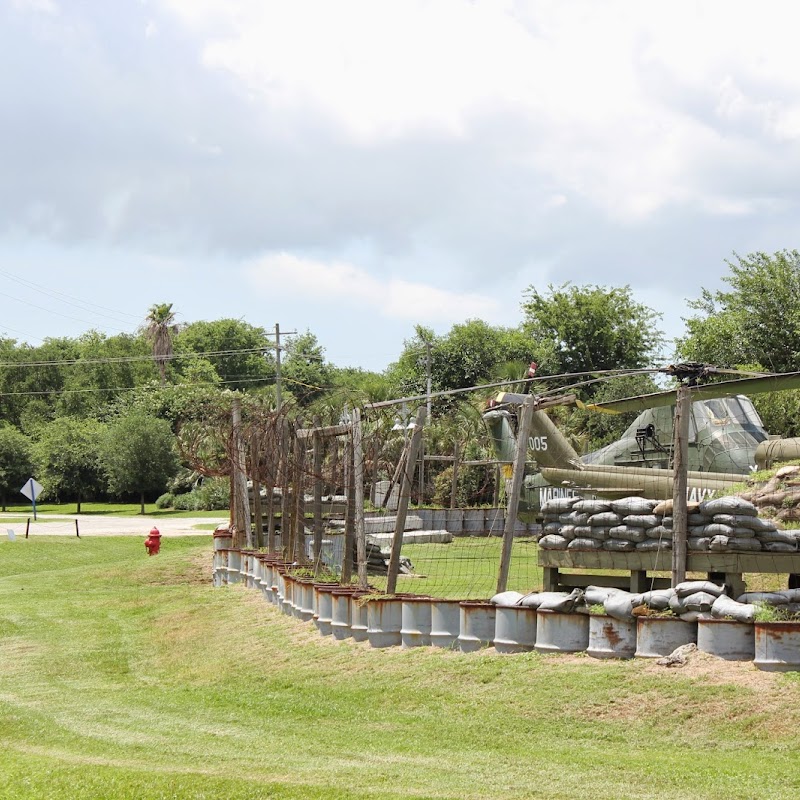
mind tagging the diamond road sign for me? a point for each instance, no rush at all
(32, 489)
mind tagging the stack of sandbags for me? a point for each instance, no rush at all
(726, 525)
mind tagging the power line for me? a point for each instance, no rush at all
(83, 305)
(129, 359)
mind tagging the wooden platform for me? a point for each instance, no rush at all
(727, 567)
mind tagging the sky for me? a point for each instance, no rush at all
(357, 167)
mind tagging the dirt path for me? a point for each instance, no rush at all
(103, 525)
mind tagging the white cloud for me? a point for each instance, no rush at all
(595, 84)
(349, 288)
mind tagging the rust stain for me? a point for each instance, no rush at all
(610, 632)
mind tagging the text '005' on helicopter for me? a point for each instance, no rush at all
(727, 442)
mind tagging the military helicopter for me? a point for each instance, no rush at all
(727, 441)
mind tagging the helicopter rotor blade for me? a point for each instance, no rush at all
(754, 385)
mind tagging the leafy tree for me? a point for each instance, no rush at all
(33, 374)
(471, 353)
(67, 456)
(159, 328)
(16, 464)
(105, 366)
(756, 322)
(591, 328)
(138, 454)
(305, 369)
(244, 353)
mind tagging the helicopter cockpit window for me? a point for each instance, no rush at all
(742, 411)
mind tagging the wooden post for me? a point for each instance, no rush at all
(241, 506)
(272, 479)
(683, 407)
(512, 505)
(77, 531)
(317, 467)
(358, 494)
(454, 485)
(285, 497)
(349, 516)
(299, 515)
(258, 514)
(405, 495)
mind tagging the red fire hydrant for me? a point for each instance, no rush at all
(153, 542)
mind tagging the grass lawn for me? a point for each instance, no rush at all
(131, 677)
(110, 509)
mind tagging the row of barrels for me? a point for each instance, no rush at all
(347, 612)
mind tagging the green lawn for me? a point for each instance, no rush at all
(111, 509)
(125, 676)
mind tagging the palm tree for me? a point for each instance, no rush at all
(158, 329)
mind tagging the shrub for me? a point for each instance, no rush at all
(167, 500)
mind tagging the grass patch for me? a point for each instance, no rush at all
(111, 509)
(127, 677)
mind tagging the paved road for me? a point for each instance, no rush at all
(104, 525)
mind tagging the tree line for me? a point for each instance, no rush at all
(103, 416)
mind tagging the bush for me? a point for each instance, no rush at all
(213, 495)
(167, 500)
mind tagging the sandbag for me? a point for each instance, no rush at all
(743, 533)
(629, 534)
(667, 522)
(745, 545)
(698, 519)
(650, 545)
(736, 520)
(699, 601)
(726, 608)
(677, 605)
(758, 524)
(506, 599)
(719, 544)
(583, 543)
(686, 588)
(658, 599)
(659, 532)
(633, 505)
(621, 605)
(588, 532)
(698, 544)
(574, 518)
(619, 545)
(552, 527)
(568, 532)
(553, 542)
(728, 505)
(778, 547)
(715, 529)
(558, 504)
(764, 598)
(560, 601)
(597, 595)
(592, 506)
(604, 519)
(791, 595)
(787, 537)
(641, 520)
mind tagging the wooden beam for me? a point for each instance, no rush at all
(405, 496)
(512, 506)
(358, 494)
(317, 503)
(683, 406)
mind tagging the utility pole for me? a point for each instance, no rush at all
(278, 348)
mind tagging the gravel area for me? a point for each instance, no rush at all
(101, 525)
